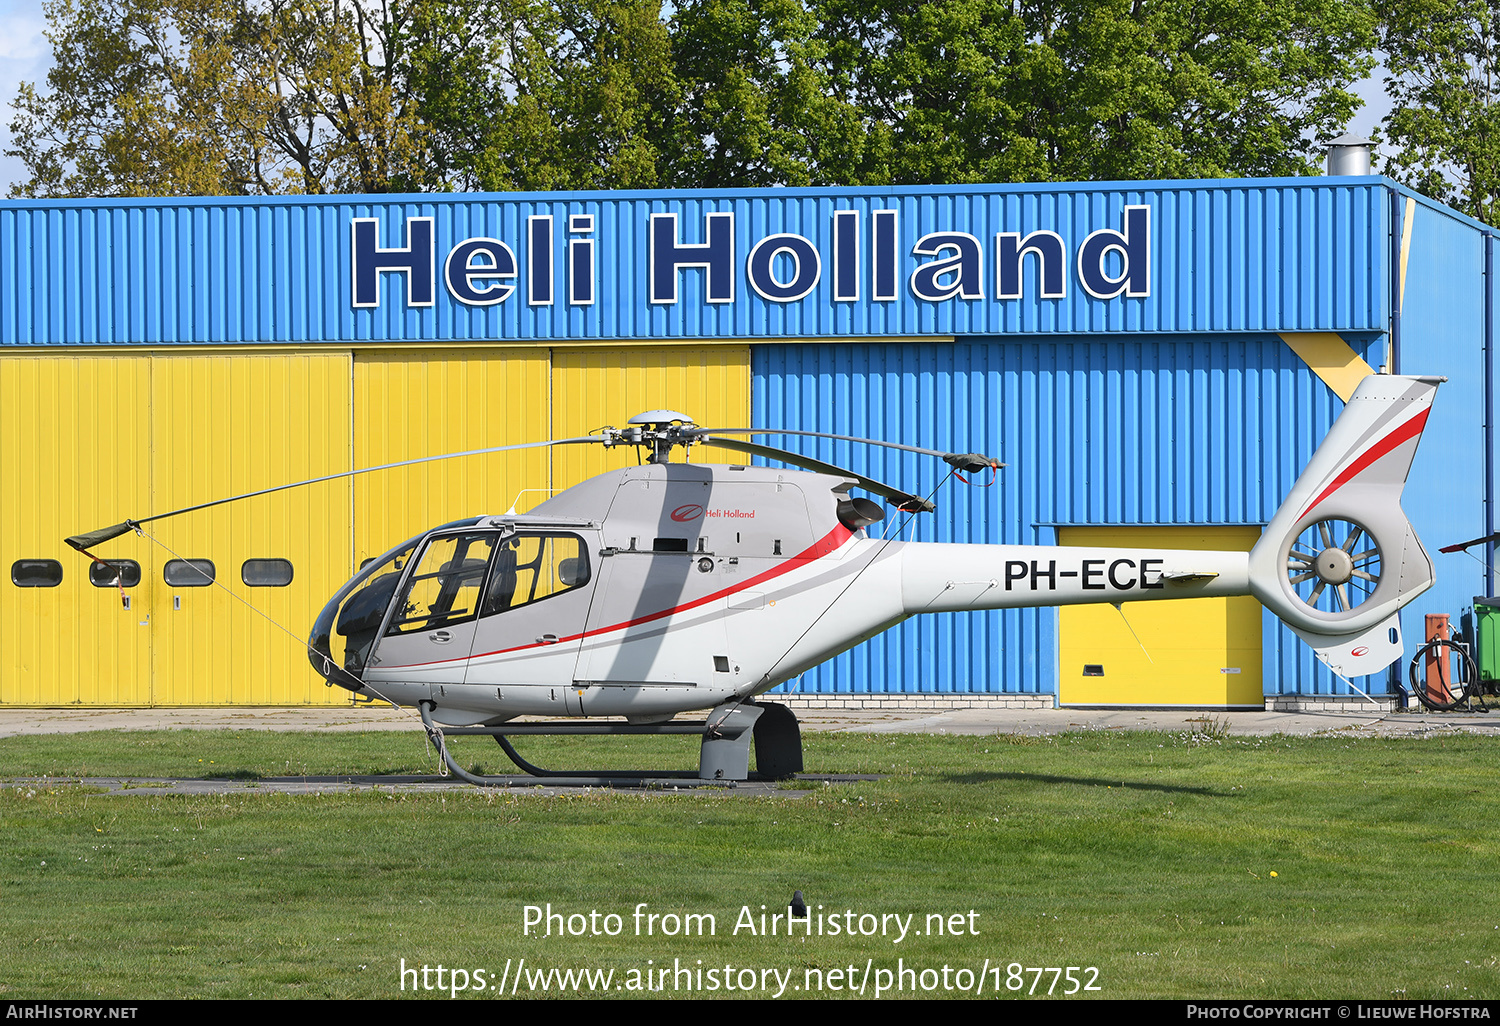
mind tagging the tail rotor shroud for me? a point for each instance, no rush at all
(1340, 558)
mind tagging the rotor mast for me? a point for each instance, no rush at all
(659, 429)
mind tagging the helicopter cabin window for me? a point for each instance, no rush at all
(445, 584)
(266, 573)
(36, 573)
(117, 573)
(189, 573)
(532, 567)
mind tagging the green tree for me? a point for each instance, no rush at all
(262, 96)
(546, 95)
(217, 97)
(239, 96)
(1442, 59)
(1048, 90)
(757, 105)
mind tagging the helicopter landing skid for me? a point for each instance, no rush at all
(724, 758)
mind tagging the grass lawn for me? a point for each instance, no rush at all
(1176, 865)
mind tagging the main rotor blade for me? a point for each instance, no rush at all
(983, 463)
(903, 501)
(83, 542)
(1463, 545)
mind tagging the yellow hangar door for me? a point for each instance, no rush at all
(411, 403)
(224, 425)
(74, 456)
(592, 387)
(1189, 652)
(90, 440)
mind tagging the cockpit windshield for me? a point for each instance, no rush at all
(345, 630)
(444, 588)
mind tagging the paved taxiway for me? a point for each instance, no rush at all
(1366, 723)
(961, 721)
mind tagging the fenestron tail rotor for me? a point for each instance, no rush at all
(1339, 559)
(1334, 566)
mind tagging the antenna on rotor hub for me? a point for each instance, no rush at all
(660, 429)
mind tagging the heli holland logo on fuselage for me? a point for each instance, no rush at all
(862, 252)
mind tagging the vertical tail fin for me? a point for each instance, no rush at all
(1339, 559)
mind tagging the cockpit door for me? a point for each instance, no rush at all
(533, 613)
(429, 633)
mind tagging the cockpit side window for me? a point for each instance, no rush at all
(532, 567)
(444, 586)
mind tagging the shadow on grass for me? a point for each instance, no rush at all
(1046, 778)
(239, 774)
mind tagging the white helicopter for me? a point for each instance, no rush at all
(672, 587)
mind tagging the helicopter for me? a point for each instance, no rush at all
(672, 587)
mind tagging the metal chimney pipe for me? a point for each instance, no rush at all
(1349, 154)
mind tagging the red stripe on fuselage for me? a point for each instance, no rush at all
(830, 542)
(1406, 431)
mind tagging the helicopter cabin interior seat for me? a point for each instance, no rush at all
(461, 580)
(532, 567)
(502, 582)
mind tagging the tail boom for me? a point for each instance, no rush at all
(940, 577)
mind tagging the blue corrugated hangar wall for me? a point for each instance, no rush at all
(1188, 407)
(1137, 354)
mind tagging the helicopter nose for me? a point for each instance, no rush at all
(320, 654)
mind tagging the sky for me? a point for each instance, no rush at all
(25, 56)
(1377, 104)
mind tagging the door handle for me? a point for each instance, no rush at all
(547, 639)
(441, 637)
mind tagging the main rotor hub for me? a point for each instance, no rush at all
(658, 429)
(1334, 565)
(662, 419)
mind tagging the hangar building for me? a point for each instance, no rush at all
(1153, 361)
